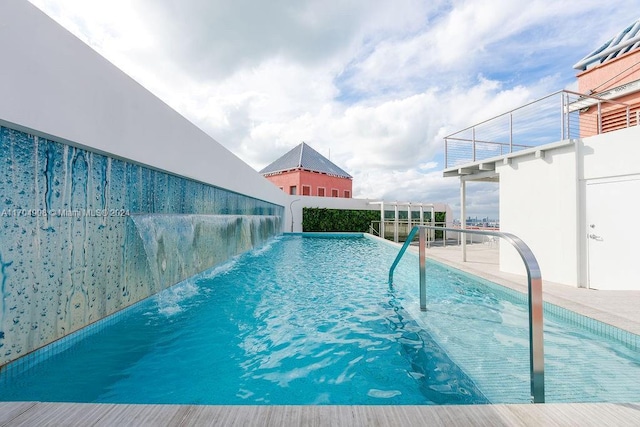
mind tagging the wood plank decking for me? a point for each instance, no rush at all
(89, 414)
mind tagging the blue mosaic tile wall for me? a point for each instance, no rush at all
(83, 235)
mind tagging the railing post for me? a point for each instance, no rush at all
(432, 232)
(444, 238)
(382, 220)
(473, 139)
(446, 154)
(463, 217)
(423, 274)
(510, 134)
(536, 339)
(395, 224)
(563, 113)
(599, 124)
(568, 117)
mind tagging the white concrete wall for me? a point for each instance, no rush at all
(84, 100)
(609, 186)
(544, 202)
(538, 203)
(612, 154)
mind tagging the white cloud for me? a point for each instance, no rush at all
(375, 83)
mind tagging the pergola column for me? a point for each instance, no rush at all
(463, 216)
(382, 219)
(395, 223)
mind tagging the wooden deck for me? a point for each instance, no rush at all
(89, 414)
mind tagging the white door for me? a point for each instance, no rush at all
(613, 235)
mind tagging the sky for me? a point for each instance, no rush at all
(374, 85)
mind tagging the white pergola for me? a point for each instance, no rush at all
(396, 207)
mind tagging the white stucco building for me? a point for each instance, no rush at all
(568, 171)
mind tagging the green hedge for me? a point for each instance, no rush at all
(349, 220)
(337, 220)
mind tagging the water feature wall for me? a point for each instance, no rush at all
(83, 235)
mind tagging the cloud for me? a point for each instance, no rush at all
(375, 84)
(215, 38)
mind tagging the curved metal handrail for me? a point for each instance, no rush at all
(534, 281)
(407, 242)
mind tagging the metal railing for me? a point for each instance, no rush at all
(563, 115)
(398, 230)
(470, 238)
(534, 282)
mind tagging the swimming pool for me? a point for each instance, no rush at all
(308, 320)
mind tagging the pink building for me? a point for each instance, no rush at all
(303, 171)
(612, 72)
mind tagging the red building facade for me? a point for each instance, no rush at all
(305, 172)
(612, 72)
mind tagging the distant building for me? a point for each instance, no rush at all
(305, 172)
(612, 72)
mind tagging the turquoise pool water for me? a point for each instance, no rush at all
(310, 320)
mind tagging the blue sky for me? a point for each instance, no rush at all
(374, 84)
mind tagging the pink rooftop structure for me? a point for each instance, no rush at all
(305, 172)
(612, 72)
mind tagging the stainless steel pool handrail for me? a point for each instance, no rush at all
(534, 282)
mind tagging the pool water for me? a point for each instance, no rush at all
(307, 320)
(302, 321)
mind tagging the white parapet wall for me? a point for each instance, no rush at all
(538, 204)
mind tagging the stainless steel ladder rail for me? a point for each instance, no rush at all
(534, 281)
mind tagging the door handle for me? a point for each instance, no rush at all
(595, 237)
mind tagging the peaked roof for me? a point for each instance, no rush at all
(305, 157)
(623, 42)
